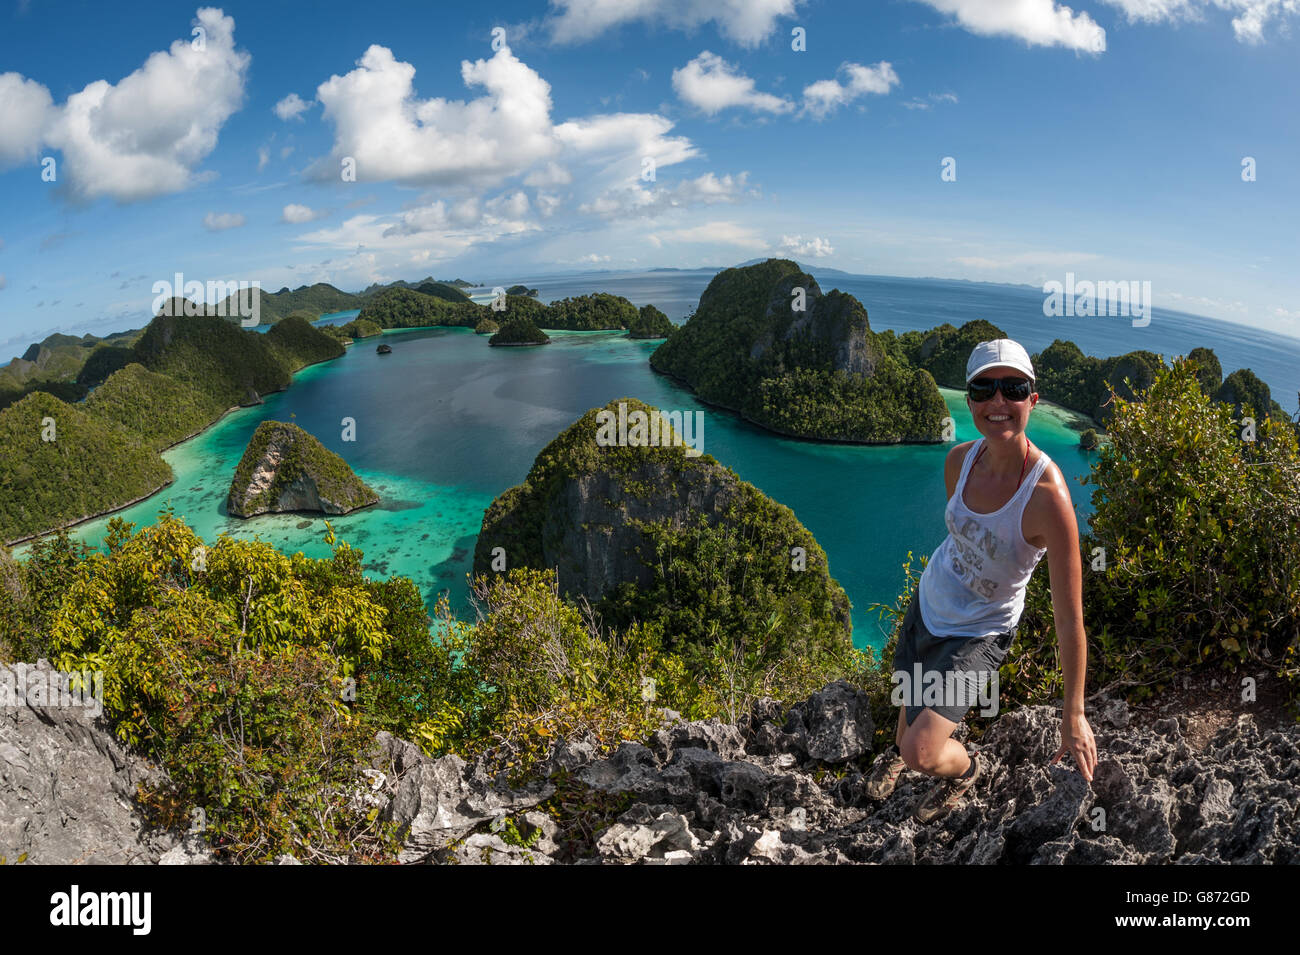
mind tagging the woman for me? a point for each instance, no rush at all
(1008, 505)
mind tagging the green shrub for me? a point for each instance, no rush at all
(257, 680)
(1201, 529)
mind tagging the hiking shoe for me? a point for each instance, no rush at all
(884, 773)
(940, 800)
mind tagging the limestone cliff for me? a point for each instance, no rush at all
(767, 343)
(659, 533)
(286, 469)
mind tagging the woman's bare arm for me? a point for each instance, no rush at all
(1060, 530)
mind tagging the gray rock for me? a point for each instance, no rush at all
(834, 724)
(67, 785)
(438, 801)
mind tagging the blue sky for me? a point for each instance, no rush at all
(1104, 139)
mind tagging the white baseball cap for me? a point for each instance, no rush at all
(1000, 351)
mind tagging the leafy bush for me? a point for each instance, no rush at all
(1201, 528)
(257, 680)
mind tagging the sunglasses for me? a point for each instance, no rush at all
(1013, 389)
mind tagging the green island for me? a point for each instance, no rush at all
(615, 525)
(766, 343)
(650, 323)
(62, 462)
(285, 469)
(517, 331)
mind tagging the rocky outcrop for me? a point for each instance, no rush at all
(601, 495)
(766, 343)
(787, 788)
(782, 785)
(834, 324)
(67, 786)
(286, 469)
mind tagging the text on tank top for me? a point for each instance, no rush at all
(974, 583)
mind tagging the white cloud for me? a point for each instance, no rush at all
(1037, 22)
(144, 137)
(1154, 11)
(553, 175)
(825, 96)
(812, 246)
(26, 109)
(726, 233)
(1254, 15)
(745, 22)
(1248, 25)
(593, 258)
(220, 221)
(291, 107)
(547, 203)
(916, 103)
(263, 157)
(296, 214)
(392, 135)
(637, 200)
(711, 84)
(503, 214)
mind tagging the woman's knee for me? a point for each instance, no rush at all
(922, 751)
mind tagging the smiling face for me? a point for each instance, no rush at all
(999, 419)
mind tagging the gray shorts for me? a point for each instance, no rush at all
(952, 672)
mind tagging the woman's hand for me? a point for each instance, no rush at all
(1076, 739)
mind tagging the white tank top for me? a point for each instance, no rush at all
(974, 584)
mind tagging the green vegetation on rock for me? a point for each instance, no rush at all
(157, 409)
(586, 313)
(519, 331)
(360, 328)
(407, 308)
(650, 323)
(186, 372)
(59, 464)
(486, 327)
(725, 575)
(765, 342)
(284, 468)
